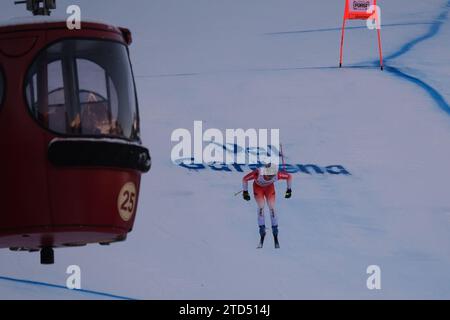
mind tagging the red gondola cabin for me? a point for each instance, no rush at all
(71, 157)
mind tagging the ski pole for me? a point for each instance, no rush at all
(239, 192)
(282, 158)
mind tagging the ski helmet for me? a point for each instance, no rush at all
(270, 169)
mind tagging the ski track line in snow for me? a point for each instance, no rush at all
(406, 24)
(435, 95)
(54, 286)
(432, 32)
(195, 74)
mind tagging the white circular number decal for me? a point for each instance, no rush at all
(126, 201)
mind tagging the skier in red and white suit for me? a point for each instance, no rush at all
(264, 191)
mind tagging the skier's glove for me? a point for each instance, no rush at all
(246, 196)
(288, 193)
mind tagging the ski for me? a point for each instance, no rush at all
(277, 244)
(261, 243)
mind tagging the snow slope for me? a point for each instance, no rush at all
(272, 64)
